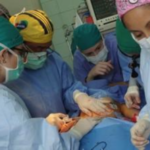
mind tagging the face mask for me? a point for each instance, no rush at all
(101, 56)
(13, 74)
(36, 60)
(144, 43)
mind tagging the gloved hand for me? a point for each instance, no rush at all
(83, 126)
(89, 104)
(140, 133)
(102, 68)
(57, 119)
(132, 97)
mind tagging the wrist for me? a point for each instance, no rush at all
(75, 133)
(51, 121)
(89, 77)
(133, 82)
(146, 117)
(77, 94)
(133, 89)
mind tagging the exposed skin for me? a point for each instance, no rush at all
(38, 47)
(54, 119)
(93, 51)
(102, 68)
(9, 60)
(137, 21)
(140, 27)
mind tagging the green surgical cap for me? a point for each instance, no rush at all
(125, 41)
(9, 35)
(85, 37)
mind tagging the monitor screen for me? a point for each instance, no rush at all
(104, 8)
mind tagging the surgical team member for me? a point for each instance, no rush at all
(135, 14)
(18, 131)
(4, 12)
(129, 58)
(95, 57)
(47, 84)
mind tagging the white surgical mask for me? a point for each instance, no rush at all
(36, 60)
(10, 73)
(144, 43)
(101, 56)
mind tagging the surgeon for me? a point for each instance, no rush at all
(4, 12)
(47, 84)
(136, 17)
(96, 62)
(18, 130)
(129, 58)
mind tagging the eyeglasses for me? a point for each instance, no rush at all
(31, 51)
(28, 48)
(22, 52)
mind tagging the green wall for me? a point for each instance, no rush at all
(62, 13)
(15, 6)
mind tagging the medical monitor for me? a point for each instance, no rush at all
(104, 13)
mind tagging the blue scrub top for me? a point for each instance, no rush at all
(82, 67)
(126, 71)
(49, 89)
(18, 131)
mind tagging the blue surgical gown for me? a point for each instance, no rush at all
(82, 67)
(126, 71)
(110, 134)
(18, 131)
(49, 89)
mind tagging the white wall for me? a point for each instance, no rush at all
(15, 6)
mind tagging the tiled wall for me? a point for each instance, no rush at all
(62, 13)
(15, 6)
